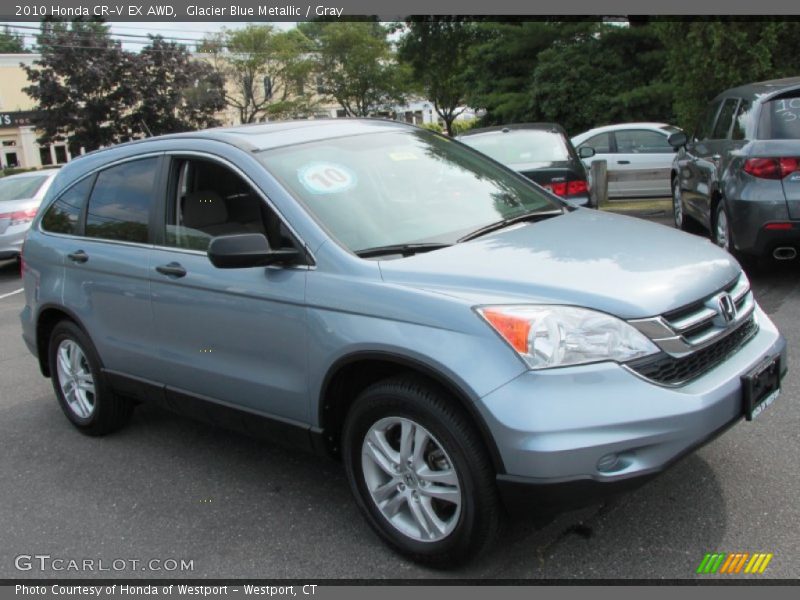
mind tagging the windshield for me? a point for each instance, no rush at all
(19, 188)
(780, 119)
(520, 146)
(404, 187)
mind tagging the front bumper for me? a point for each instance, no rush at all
(569, 436)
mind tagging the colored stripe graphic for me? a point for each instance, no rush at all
(734, 563)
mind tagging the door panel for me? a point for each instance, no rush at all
(235, 335)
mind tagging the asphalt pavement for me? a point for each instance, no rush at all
(168, 488)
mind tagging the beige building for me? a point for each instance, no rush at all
(18, 146)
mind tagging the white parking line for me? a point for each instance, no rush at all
(12, 293)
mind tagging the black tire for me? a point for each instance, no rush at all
(480, 515)
(109, 412)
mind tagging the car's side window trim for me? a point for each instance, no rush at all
(161, 218)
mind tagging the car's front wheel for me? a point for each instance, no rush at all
(419, 472)
(721, 232)
(82, 392)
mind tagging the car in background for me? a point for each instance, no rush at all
(638, 157)
(738, 176)
(20, 197)
(541, 152)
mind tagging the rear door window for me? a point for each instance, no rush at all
(706, 124)
(119, 207)
(780, 119)
(63, 216)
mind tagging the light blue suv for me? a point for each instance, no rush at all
(461, 339)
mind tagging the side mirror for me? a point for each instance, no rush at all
(247, 250)
(677, 139)
(586, 152)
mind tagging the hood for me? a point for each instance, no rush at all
(621, 265)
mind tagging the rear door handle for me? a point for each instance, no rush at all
(623, 162)
(79, 256)
(172, 269)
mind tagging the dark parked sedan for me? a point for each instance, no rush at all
(738, 176)
(540, 151)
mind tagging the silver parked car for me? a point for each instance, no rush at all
(20, 197)
(638, 157)
(738, 177)
(463, 341)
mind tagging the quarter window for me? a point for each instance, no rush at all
(119, 207)
(725, 119)
(742, 120)
(64, 214)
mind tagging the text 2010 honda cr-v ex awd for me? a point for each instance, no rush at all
(461, 339)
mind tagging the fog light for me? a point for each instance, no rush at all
(608, 463)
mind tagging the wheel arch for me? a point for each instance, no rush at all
(354, 372)
(48, 317)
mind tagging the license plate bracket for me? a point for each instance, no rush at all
(760, 386)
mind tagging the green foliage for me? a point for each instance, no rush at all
(706, 57)
(501, 61)
(615, 75)
(463, 125)
(256, 54)
(91, 91)
(11, 43)
(174, 92)
(355, 65)
(435, 49)
(437, 127)
(83, 85)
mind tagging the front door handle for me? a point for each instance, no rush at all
(623, 162)
(79, 256)
(172, 269)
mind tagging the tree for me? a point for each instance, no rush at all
(266, 70)
(83, 85)
(436, 51)
(614, 75)
(174, 92)
(355, 65)
(708, 56)
(501, 63)
(11, 43)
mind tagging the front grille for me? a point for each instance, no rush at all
(669, 370)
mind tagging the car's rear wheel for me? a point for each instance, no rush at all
(419, 472)
(82, 392)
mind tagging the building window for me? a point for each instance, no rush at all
(44, 156)
(61, 155)
(11, 160)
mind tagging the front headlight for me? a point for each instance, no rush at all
(556, 336)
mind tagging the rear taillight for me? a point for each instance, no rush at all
(20, 216)
(568, 188)
(577, 187)
(771, 168)
(778, 226)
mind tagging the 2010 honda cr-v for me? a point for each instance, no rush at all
(462, 339)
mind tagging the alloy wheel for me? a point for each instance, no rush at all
(411, 479)
(721, 230)
(75, 378)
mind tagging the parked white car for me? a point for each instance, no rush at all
(638, 156)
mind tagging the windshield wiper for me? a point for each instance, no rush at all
(402, 249)
(532, 216)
